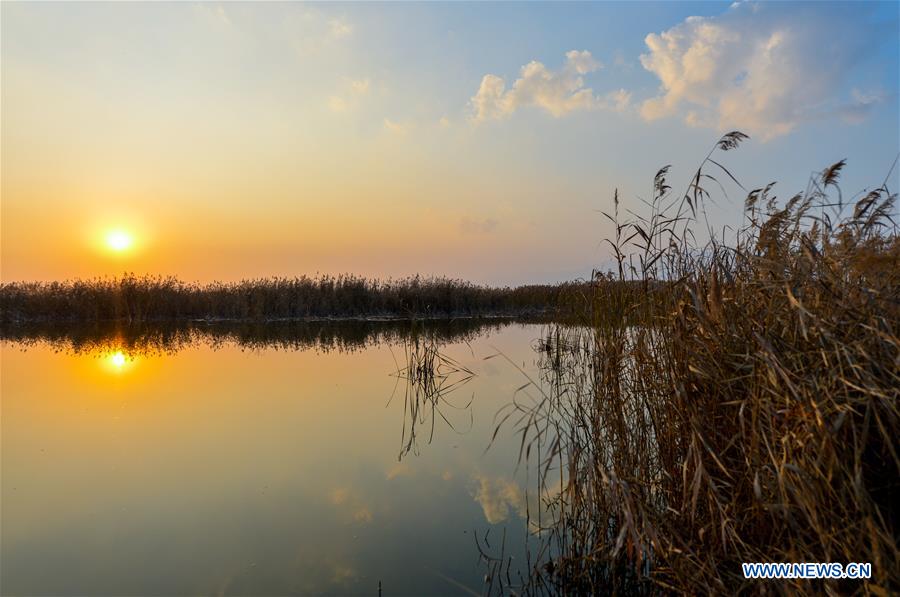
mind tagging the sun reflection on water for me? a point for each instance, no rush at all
(119, 361)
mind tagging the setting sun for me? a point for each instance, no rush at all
(119, 240)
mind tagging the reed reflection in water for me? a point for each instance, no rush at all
(234, 458)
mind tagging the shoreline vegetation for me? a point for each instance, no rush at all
(744, 411)
(136, 299)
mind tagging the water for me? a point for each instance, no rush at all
(255, 460)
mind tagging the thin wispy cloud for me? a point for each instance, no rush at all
(862, 104)
(350, 94)
(468, 225)
(313, 32)
(340, 28)
(396, 128)
(213, 14)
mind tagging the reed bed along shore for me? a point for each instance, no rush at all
(148, 298)
(742, 408)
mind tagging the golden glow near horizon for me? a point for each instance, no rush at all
(119, 240)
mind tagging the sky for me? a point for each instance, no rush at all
(476, 141)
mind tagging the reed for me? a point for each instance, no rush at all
(429, 378)
(724, 403)
(152, 298)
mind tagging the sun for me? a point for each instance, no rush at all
(119, 240)
(118, 359)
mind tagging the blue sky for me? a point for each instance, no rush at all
(463, 139)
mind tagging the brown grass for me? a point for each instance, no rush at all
(135, 299)
(740, 407)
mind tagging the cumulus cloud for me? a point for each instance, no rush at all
(762, 69)
(499, 497)
(558, 92)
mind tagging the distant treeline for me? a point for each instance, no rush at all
(135, 299)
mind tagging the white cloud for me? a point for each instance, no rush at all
(557, 92)
(350, 505)
(396, 128)
(861, 105)
(349, 96)
(359, 87)
(337, 103)
(618, 100)
(340, 28)
(214, 14)
(499, 497)
(762, 69)
(312, 32)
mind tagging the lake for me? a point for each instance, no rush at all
(272, 459)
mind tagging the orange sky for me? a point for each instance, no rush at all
(237, 140)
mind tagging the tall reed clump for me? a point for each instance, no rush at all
(727, 403)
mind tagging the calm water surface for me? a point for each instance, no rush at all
(280, 462)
